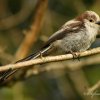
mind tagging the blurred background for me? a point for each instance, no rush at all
(24, 26)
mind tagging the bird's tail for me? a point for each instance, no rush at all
(10, 72)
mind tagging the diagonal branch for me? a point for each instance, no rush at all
(48, 59)
(32, 34)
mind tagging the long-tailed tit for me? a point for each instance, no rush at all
(76, 35)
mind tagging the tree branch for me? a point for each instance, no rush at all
(32, 34)
(48, 59)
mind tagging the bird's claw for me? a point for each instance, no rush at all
(75, 55)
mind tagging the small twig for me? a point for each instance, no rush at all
(47, 59)
(94, 88)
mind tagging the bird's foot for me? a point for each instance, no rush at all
(75, 55)
(41, 56)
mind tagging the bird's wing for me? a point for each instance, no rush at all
(68, 27)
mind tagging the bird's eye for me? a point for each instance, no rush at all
(91, 20)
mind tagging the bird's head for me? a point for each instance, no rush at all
(89, 17)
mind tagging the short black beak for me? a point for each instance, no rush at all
(98, 22)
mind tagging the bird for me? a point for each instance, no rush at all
(76, 35)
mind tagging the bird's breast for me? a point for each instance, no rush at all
(75, 42)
